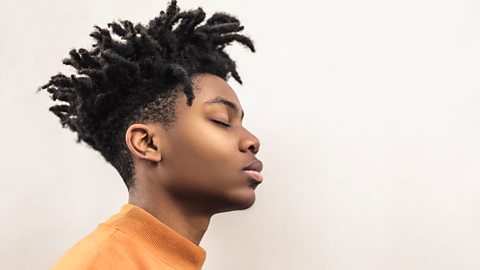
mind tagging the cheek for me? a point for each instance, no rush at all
(203, 158)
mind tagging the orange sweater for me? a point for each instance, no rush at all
(133, 239)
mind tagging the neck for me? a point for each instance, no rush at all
(186, 221)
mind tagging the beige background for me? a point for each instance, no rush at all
(369, 118)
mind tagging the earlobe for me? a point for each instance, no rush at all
(143, 143)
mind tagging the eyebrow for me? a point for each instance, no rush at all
(228, 103)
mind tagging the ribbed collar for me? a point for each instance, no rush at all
(172, 247)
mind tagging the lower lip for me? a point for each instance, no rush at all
(255, 175)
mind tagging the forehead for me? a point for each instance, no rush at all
(208, 87)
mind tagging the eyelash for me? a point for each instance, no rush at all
(222, 124)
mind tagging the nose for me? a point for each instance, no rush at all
(249, 142)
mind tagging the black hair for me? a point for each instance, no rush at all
(134, 73)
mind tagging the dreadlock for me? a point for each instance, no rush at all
(134, 73)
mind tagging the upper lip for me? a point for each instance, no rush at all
(255, 165)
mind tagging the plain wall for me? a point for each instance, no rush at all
(368, 114)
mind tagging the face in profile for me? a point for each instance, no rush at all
(207, 150)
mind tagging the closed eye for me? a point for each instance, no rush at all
(221, 123)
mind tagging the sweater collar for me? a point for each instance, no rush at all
(170, 246)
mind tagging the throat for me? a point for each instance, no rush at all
(187, 222)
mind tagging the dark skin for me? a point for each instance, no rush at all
(195, 169)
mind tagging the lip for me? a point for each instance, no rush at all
(253, 170)
(257, 176)
(255, 165)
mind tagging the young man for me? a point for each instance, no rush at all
(154, 101)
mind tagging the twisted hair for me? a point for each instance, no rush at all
(134, 73)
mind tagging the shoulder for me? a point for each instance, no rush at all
(94, 251)
(108, 247)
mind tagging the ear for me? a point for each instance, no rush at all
(143, 141)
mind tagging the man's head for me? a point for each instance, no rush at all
(132, 100)
(201, 158)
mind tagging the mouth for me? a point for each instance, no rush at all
(255, 175)
(256, 165)
(253, 171)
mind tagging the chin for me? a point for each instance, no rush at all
(239, 201)
(247, 203)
